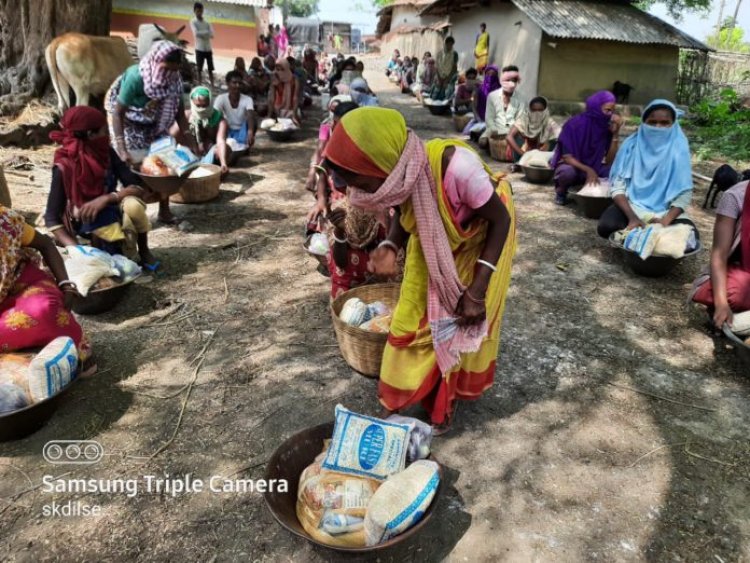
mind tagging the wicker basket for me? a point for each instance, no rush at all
(362, 349)
(198, 190)
(498, 148)
(461, 121)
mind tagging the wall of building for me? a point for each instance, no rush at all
(514, 39)
(572, 69)
(408, 15)
(235, 27)
(413, 44)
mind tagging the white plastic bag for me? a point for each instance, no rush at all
(128, 270)
(87, 265)
(420, 437)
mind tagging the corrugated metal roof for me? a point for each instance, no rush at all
(252, 3)
(577, 19)
(611, 20)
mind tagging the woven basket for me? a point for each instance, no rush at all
(198, 190)
(498, 147)
(461, 121)
(362, 349)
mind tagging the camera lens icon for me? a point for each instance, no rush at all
(80, 452)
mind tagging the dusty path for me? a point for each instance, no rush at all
(616, 430)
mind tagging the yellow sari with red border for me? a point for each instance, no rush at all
(409, 372)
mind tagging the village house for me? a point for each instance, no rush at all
(237, 23)
(565, 49)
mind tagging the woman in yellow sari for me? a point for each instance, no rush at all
(457, 222)
(482, 49)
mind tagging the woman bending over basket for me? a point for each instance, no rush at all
(651, 179)
(457, 222)
(34, 305)
(725, 289)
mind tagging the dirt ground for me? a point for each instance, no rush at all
(617, 428)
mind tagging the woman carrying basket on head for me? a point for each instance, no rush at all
(457, 222)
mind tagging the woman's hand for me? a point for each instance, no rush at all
(469, 311)
(635, 223)
(723, 314)
(124, 155)
(91, 209)
(337, 218)
(383, 262)
(69, 294)
(615, 123)
(592, 177)
(318, 209)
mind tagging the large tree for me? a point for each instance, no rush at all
(26, 27)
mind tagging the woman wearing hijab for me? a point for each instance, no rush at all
(34, 305)
(725, 288)
(210, 129)
(143, 103)
(459, 222)
(651, 179)
(535, 129)
(587, 145)
(83, 198)
(283, 97)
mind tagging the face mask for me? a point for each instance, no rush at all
(508, 86)
(654, 130)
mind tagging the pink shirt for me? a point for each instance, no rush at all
(325, 132)
(467, 184)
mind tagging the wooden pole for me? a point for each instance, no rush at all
(736, 13)
(4, 190)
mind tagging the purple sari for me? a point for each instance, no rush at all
(586, 136)
(490, 84)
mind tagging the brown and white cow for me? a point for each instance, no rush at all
(88, 64)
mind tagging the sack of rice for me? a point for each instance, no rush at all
(53, 368)
(401, 501)
(12, 398)
(87, 265)
(367, 446)
(267, 123)
(14, 369)
(331, 506)
(128, 269)
(378, 309)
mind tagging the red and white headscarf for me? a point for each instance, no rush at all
(160, 83)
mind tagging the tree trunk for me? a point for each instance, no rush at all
(26, 28)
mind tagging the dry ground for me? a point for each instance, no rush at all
(617, 428)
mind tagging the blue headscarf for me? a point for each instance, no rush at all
(654, 164)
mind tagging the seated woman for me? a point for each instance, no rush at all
(361, 94)
(239, 66)
(354, 233)
(83, 198)
(34, 305)
(587, 145)
(259, 81)
(407, 75)
(651, 179)
(208, 126)
(426, 74)
(446, 64)
(393, 63)
(284, 95)
(534, 129)
(463, 102)
(491, 82)
(725, 289)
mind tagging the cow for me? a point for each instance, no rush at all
(88, 64)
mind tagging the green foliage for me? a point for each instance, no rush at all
(382, 3)
(720, 128)
(729, 38)
(677, 7)
(298, 8)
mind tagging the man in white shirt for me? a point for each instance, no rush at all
(203, 33)
(503, 108)
(239, 112)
